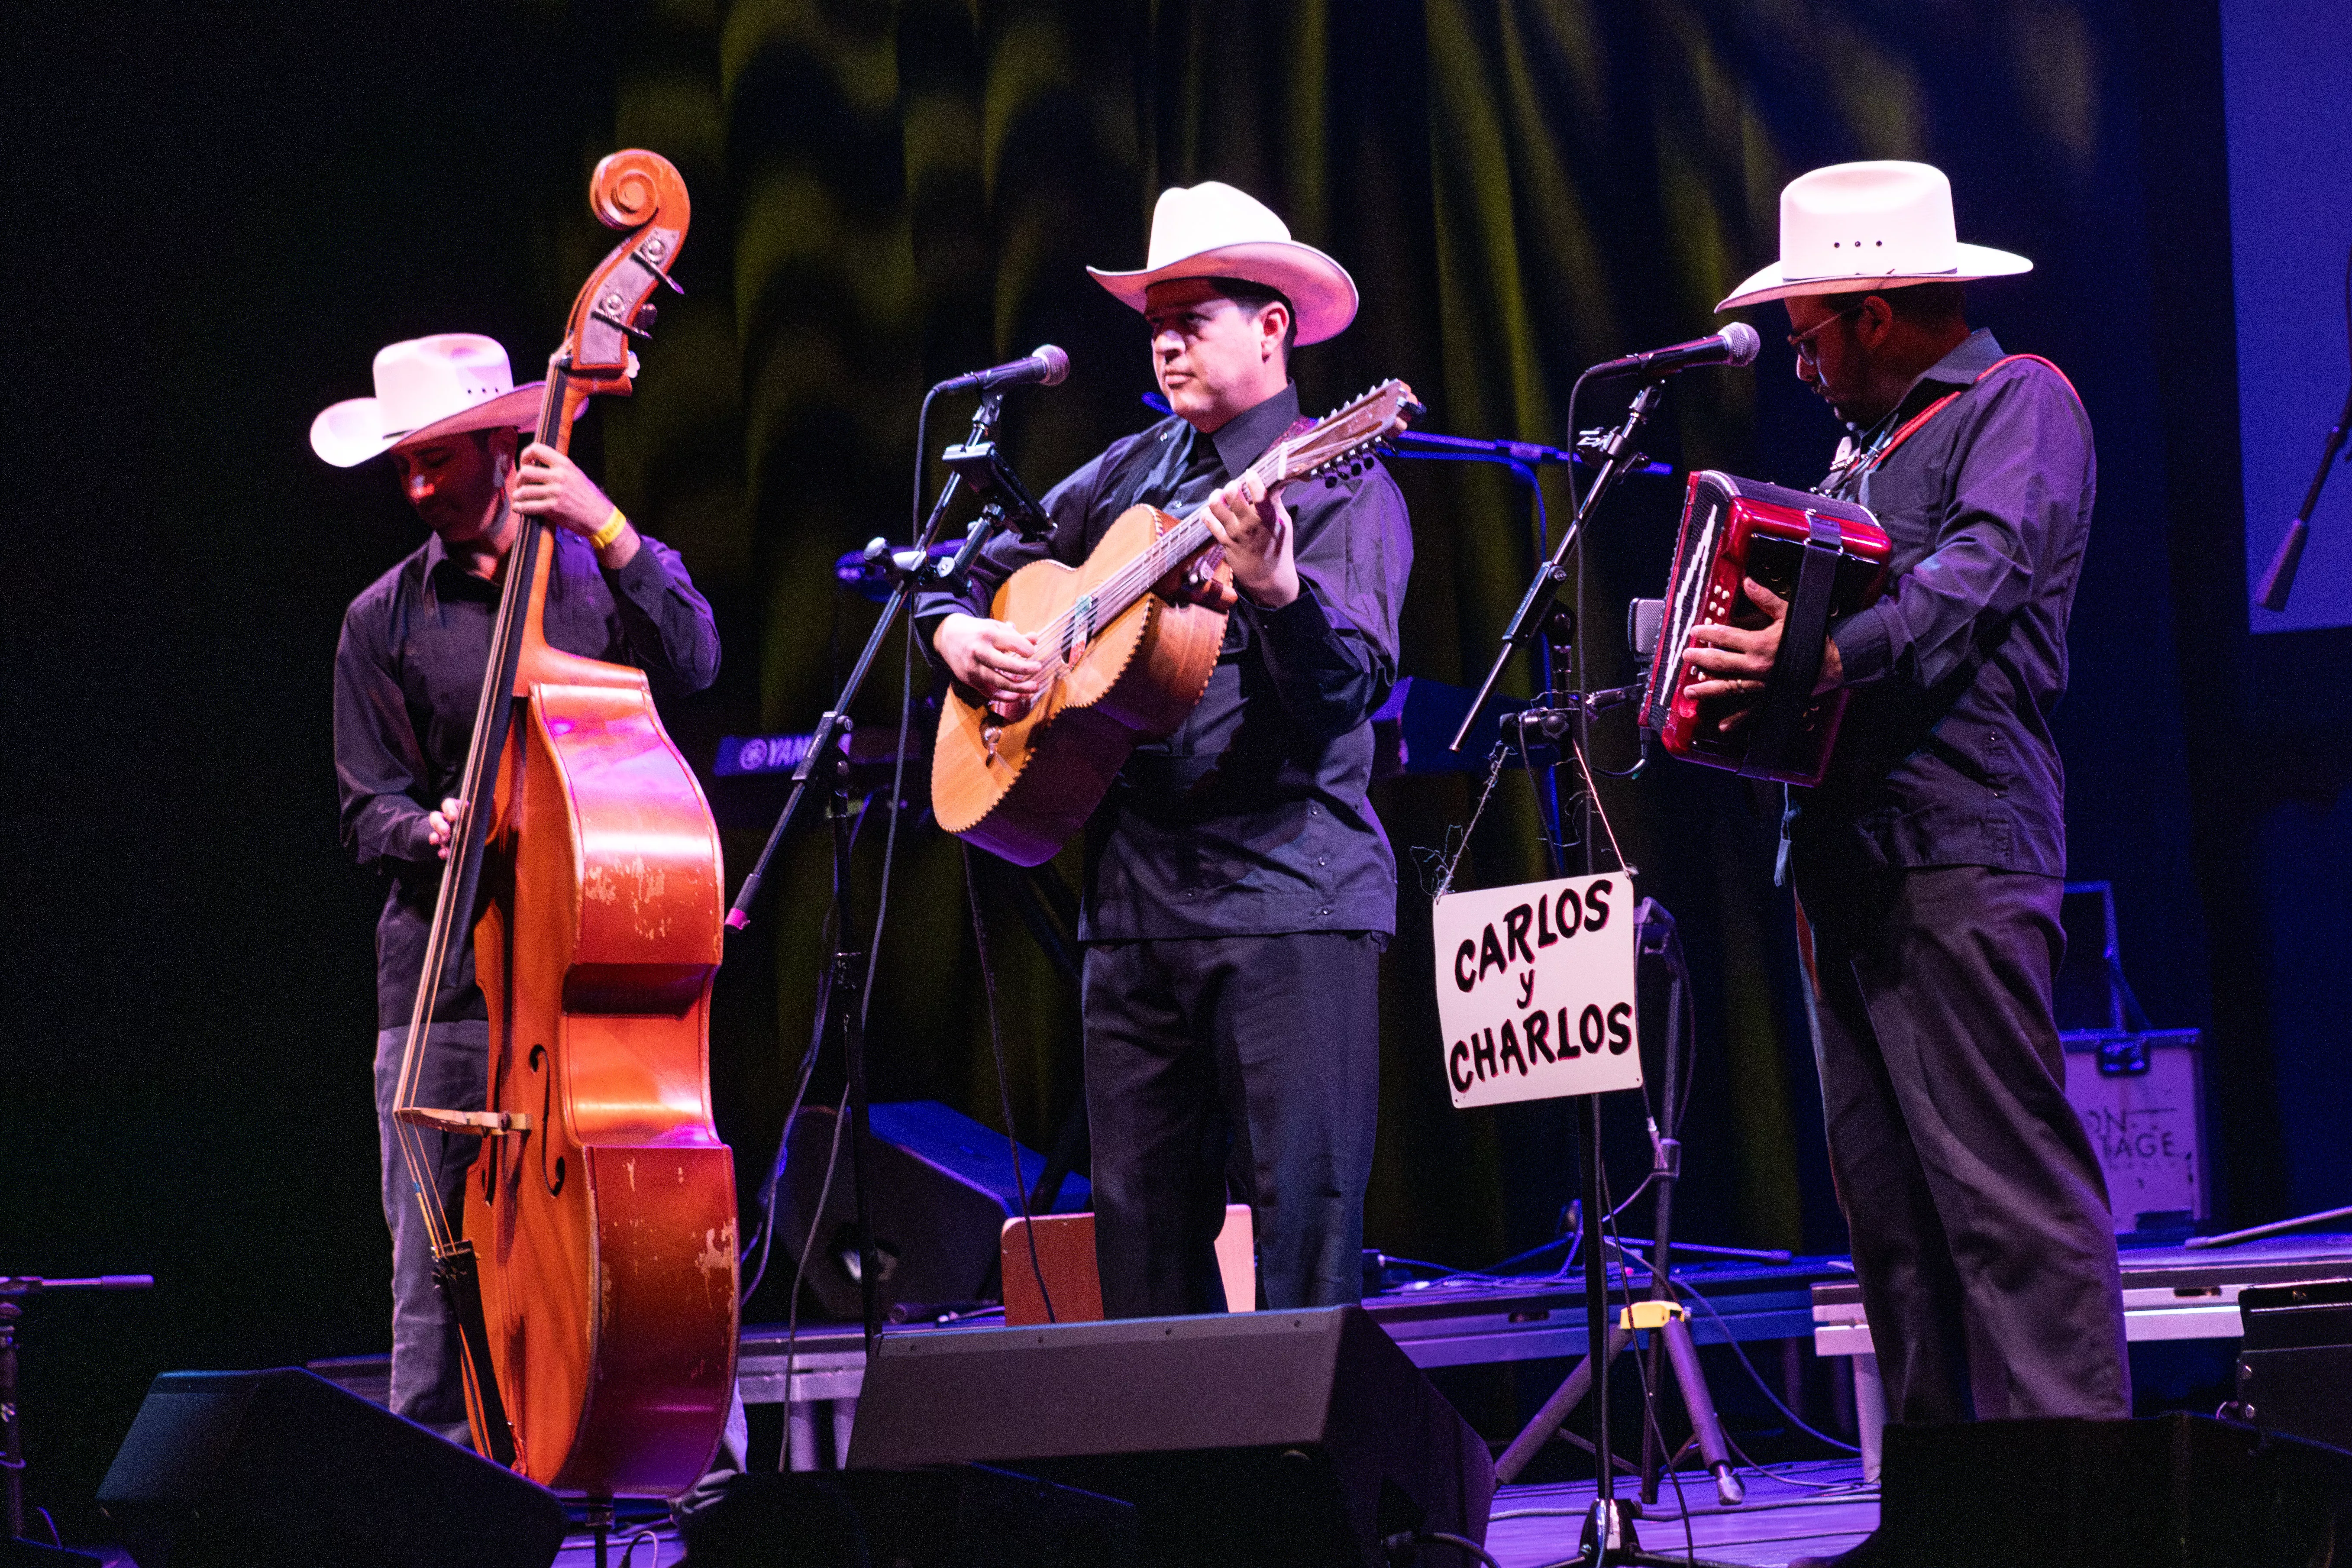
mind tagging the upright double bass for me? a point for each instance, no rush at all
(594, 1282)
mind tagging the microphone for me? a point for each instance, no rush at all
(1736, 344)
(1047, 367)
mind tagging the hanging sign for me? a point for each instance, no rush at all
(1535, 990)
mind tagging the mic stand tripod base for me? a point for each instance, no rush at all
(1609, 1534)
(1609, 1538)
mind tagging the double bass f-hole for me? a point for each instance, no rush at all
(546, 1103)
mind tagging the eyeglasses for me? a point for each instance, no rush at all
(1803, 342)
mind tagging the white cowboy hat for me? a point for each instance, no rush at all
(1215, 231)
(1878, 225)
(426, 388)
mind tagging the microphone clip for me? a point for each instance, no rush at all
(1593, 444)
(1000, 487)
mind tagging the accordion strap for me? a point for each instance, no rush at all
(1789, 689)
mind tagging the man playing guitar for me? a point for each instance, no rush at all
(1238, 889)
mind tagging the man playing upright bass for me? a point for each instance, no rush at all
(1238, 888)
(410, 666)
(1931, 862)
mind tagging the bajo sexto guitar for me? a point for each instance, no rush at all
(1129, 639)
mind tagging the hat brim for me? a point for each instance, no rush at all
(1320, 291)
(349, 433)
(1976, 261)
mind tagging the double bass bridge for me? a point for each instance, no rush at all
(467, 1123)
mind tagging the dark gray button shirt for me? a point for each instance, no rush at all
(408, 672)
(1946, 757)
(1252, 819)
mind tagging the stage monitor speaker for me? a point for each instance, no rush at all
(2294, 1369)
(967, 1517)
(2172, 1491)
(943, 1186)
(1249, 1439)
(271, 1469)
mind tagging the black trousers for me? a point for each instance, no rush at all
(1248, 1061)
(1978, 1213)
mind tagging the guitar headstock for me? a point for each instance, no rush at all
(1376, 417)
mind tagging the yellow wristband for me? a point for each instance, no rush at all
(610, 531)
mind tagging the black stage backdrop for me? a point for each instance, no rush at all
(220, 215)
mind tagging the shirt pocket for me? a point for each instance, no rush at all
(1907, 503)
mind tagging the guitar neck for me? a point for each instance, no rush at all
(1172, 548)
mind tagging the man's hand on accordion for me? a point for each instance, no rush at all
(1734, 660)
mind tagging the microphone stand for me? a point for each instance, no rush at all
(1609, 1536)
(1538, 601)
(976, 461)
(2279, 581)
(1522, 459)
(15, 1289)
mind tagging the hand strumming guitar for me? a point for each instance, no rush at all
(993, 657)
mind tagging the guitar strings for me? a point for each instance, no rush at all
(1122, 588)
(1167, 552)
(1163, 556)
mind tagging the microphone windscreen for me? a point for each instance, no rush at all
(1057, 363)
(1745, 343)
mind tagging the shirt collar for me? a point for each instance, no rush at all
(1241, 440)
(1970, 358)
(1974, 356)
(442, 570)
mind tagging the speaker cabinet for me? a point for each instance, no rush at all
(272, 1469)
(943, 1187)
(968, 1516)
(2174, 1492)
(1295, 1438)
(2294, 1369)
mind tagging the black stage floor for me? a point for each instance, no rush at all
(1792, 1511)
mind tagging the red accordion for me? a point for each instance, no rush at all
(1827, 558)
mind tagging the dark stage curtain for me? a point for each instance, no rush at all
(887, 194)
